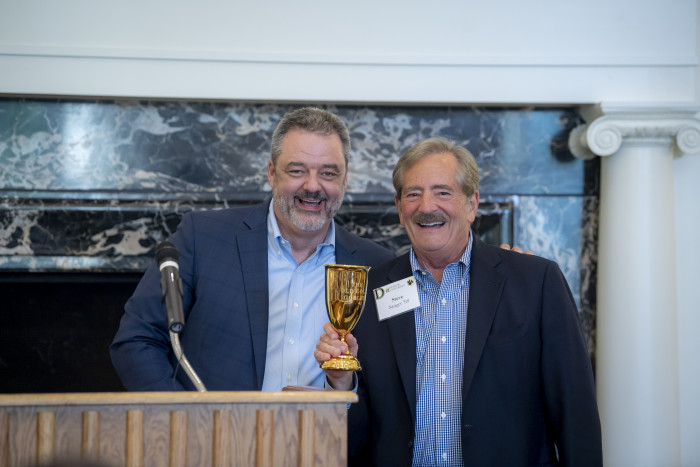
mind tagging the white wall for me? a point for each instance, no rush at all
(410, 51)
(454, 52)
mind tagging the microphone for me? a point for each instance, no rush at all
(171, 285)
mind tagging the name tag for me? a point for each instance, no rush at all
(396, 298)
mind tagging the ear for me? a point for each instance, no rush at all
(397, 202)
(473, 206)
(271, 173)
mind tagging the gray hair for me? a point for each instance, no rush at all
(467, 170)
(313, 120)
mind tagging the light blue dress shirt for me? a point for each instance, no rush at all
(297, 310)
(441, 327)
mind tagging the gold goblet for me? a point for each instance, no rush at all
(346, 290)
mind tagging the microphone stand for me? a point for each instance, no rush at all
(171, 287)
(175, 341)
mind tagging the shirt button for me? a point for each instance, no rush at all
(444, 456)
(444, 301)
(442, 377)
(296, 305)
(443, 415)
(444, 339)
(291, 341)
(289, 377)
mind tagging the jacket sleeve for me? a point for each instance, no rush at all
(358, 427)
(141, 351)
(569, 388)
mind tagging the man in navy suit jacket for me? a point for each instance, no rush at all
(223, 264)
(486, 364)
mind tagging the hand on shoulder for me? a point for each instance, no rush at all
(517, 249)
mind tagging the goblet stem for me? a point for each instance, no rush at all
(347, 347)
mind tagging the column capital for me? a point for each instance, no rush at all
(608, 126)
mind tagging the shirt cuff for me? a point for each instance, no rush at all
(327, 385)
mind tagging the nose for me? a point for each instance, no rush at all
(311, 182)
(427, 202)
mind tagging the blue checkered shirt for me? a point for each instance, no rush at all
(441, 328)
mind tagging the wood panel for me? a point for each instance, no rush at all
(307, 424)
(178, 438)
(4, 438)
(90, 436)
(176, 429)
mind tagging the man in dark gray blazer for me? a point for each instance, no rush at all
(252, 276)
(471, 355)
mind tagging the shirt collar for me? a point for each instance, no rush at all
(465, 259)
(274, 236)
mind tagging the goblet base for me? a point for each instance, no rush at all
(342, 362)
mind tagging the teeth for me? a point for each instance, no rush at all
(431, 224)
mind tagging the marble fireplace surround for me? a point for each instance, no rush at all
(89, 187)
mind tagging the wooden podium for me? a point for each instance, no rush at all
(175, 428)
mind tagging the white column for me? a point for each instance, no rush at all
(686, 180)
(637, 375)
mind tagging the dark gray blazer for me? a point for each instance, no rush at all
(528, 383)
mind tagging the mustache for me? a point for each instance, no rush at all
(428, 218)
(304, 194)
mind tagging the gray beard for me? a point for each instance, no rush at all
(302, 220)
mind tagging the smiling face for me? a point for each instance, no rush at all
(434, 210)
(308, 182)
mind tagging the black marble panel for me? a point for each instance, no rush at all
(194, 147)
(91, 236)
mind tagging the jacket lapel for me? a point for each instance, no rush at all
(485, 288)
(402, 328)
(402, 332)
(252, 249)
(344, 246)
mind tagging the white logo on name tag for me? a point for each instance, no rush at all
(396, 298)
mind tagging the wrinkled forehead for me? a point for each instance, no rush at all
(312, 150)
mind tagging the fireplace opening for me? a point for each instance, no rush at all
(58, 328)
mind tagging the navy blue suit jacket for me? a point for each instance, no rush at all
(527, 378)
(223, 267)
